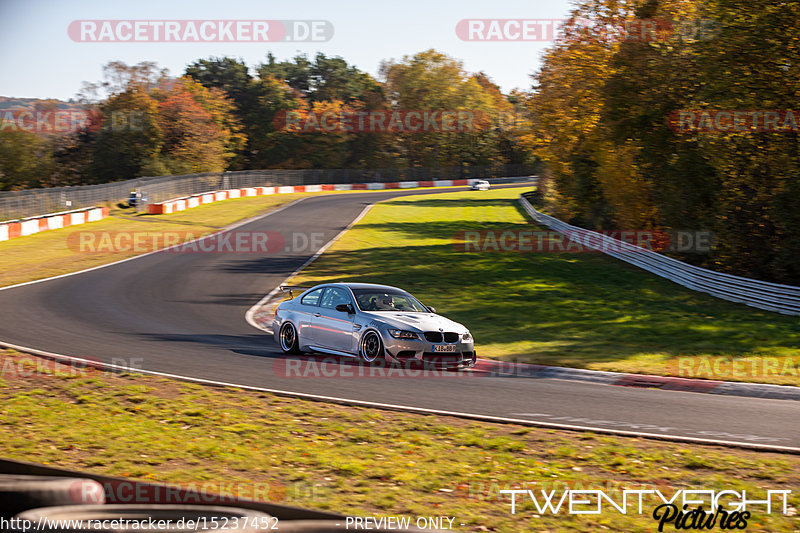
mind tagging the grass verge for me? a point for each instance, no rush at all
(582, 310)
(353, 460)
(55, 252)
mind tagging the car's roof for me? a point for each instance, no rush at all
(364, 286)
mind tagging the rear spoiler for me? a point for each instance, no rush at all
(291, 288)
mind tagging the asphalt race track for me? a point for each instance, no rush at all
(184, 314)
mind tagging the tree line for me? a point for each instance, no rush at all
(222, 115)
(604, 108)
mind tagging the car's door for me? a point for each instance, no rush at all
(306, 313)
(334, 329)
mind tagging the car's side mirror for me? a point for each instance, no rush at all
(345, 308)
(431, 309)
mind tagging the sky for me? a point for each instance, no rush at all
(40, 59)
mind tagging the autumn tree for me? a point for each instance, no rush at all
(200, 130)
(602, 103)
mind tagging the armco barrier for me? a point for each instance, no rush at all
(775, 297)
(29, 226)
(179, 204)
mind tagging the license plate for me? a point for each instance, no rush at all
(444, 348)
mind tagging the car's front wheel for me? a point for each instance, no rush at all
(289, 342)
(371, 347)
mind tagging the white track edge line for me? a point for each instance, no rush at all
(417, 410)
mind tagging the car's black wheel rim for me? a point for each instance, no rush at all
(288, 338)
(371, 347)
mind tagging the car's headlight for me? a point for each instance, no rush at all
(466, 337)
(403, 334)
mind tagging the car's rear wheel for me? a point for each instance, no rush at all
(371, 347)
(289, 343)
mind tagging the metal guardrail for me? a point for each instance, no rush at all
(775, 297)
(34, 202)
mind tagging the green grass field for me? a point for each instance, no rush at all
(351, 460)
(568, 309)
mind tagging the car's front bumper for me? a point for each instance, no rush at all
(423, 352)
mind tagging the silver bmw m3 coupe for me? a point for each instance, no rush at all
(373, 322)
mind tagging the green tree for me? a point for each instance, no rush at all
(25, 160)
(128, 144)
(433, 81)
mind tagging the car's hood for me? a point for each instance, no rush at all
(416, 321)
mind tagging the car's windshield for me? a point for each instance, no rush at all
(387, 300)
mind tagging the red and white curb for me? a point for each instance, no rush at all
(180, 204)
(29, 226)
(619, 379)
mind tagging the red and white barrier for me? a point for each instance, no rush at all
(180, 204)
(29, 226)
